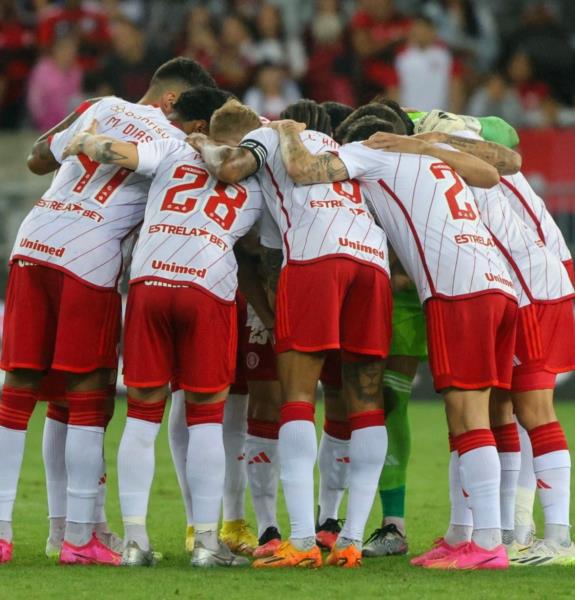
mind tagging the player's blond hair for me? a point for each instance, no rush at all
(233, 117)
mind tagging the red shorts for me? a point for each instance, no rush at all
(240, 384)
(545, 344)
(471, 341)
(181, 334)
(568, 264)
(331, 372)
(333, 303)
(53, 320)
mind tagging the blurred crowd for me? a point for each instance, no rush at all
(512, 58)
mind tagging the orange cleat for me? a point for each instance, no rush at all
(289, 556)
(348, 557)
(326, 533)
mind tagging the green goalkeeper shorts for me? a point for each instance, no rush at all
(408, 325)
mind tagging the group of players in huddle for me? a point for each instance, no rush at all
(296, 213)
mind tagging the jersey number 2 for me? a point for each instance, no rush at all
(440, 171)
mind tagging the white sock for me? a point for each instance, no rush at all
(12, 443)
(84, 447)
(333, 463)
(54, 455)
(263, 476)
(178, 437)
(100, 520)
(297, 449)
(206, 466)
(136, 464)
(461, 519)
(480, 473)
(234, 432)
(510, 465)
(526, 486)
(367, 450)
(553, 473)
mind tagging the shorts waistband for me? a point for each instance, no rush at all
(164, 284)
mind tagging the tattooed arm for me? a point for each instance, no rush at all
(302, 166)
(41, 160)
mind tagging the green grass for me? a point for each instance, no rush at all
(31, 575)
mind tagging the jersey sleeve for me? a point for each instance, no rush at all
(261, 143)
(363, 162)
(61, 139)
(151, 154)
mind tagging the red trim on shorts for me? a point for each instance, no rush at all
(57, 413)
(369, 418)
(263, 429)
(83, 107)
(282, 207)
(202, 414)
(297, 411)
(538, 380)
(548, 438)
(507, 438)
(526, 206)
(340, 430)
(152, 412)
(187, 284)
(16, 407)
(15, 365)
(88, 409)
(472, 440)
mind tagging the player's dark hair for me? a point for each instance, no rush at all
(373, 109)
(409, 127)
(311, 113)
(337, 112)
(365, 127)
(200, 103)
(185, 71)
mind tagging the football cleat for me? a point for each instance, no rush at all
(134, 556)
(326, 533)
(545, 553)
(387, 541)
(238, 537)
(269, 542)
(470, 556)
(440, 549)
(516, 550)
(289, 556)
(348, 557)
(190, 538)
(53, 548)
(222, 557)
(112, 540)
(6, 550)
(92, 553)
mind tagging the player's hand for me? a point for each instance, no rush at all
(197, 140)
(76, 144)
(396, 143)
(287, 124)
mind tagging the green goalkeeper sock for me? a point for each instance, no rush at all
(397, 391)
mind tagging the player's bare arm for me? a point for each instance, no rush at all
(227, 163)
(302, 166)
(41, 160)
(505, 160)
(473, 170)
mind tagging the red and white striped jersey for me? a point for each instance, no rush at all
(533, 212)
(432, 222)
(315, 220)
(192, 220)
(79, 223)
(537, 273)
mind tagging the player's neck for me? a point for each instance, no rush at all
(149, 99)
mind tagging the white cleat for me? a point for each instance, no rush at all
(53, 548)
(222, 557)
(544, 553)
(134, 556)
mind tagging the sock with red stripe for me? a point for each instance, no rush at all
(178, 437)
(206, 468)
(263, 471)
(136, 464)
(84, 448)
(480, 473)
(552, 466)
(461, 519)
(509, 450)
(234, 431)
(297, 448)
(367, 450)
(333, 463)
(16, 407)
(526, 486)
(53, 454)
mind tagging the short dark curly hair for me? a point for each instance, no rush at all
(185, 71)
(366, 126)
(337, 112)
(409, 127)
(374, 109)
(311, 113)
(200, 103)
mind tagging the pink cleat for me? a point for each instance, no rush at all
(470, 556)
(6, 549)
(440, 549)
(267, 549)
(92, 553)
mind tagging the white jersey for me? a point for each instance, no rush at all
(315, 220)
(532, 210)
(537, 273)
(432, 222)
(192, 220)
(79, 223)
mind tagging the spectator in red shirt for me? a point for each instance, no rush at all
(532, 92)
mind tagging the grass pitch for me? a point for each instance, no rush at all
(32, 575)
